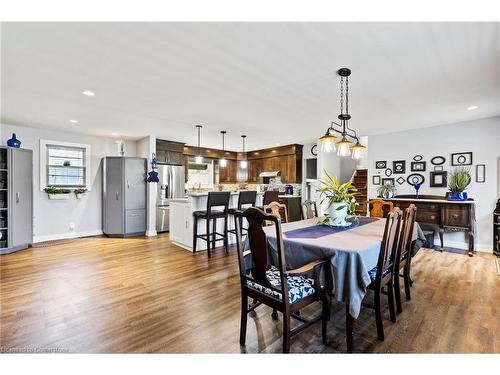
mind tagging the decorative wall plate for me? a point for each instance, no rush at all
(376, 180)
(461, 158)
(381, 164)
(388, 172)
(399, 167)
(418, 157)
(439, 179)
(314, 150)
(438, 160)
(418, 166)
(415, 178)
(386, 181)
(401, 180)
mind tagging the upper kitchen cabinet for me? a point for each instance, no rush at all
(228, 173)
(168, 152)
(285, 159)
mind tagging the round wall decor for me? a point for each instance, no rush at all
(388, 172)
(438, 160)
(314, 150)
(415, 178)
(418, 157)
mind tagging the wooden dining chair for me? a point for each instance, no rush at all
(277, 209)
(403, 255)
(309, 210)
(379, 208)
(286, 291)
(382, 274)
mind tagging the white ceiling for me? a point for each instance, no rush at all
(275, 82)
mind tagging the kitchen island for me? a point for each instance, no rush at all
(181, 218)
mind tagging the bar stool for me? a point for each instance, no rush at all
(215, 199)
(245, 199)
(269, 196)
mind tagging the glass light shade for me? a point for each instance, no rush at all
(328, 143)
(344, 148)
(198, 159)
(357, 151)
(244, 164)
(223, 163)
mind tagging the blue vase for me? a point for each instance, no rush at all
(14, 142)
(459, 196)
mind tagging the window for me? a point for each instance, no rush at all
(64, 165)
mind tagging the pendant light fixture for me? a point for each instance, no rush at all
(198, 159)
(345, 147)
(244, 163)
(223, 160)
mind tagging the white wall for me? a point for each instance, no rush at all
(53, 218)
(145, 148)
(481, 137)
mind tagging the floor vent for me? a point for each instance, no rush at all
(54, 242)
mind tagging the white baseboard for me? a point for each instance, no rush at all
(464, 245)
(151, 233)
(63, 236)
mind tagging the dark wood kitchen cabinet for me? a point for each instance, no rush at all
(228, 173)
(286, 159)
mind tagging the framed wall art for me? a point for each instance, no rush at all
(461, 158)
(399, 167)
(438, 168)
(481, 173)
(387, 181)
(418, 166)
(438, 160)
(439, 179)
(376, 180)
(381, 164)
(415, 178)
(418, 157)
(401, 180)
(388, 172)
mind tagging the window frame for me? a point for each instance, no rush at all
(44, 168)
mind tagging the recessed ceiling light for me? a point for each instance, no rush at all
(114, 133)
(472, 107)
(74, 121)
(277, 144)
(88, 93)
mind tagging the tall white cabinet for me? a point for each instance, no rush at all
(16, 199)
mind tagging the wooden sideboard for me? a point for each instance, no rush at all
(442, 214)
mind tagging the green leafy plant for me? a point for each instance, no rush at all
(66, 163)
(386, 189)
(459, 179)
(56, 190)
(80, 191)
(335, 192)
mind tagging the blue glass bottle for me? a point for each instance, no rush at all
(14, 142)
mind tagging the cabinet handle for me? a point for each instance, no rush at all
(128, 185)
(186, 223)
(17, 197)
(433, 217)
(455, 216)
(117, 195)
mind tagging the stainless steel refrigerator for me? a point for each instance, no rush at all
(171, 186)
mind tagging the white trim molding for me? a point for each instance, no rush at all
(43, 160)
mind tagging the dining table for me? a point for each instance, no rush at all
(352, 250)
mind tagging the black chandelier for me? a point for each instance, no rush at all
(349, 143)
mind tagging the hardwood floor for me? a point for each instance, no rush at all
(146, 295)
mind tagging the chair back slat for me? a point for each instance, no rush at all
(247, 197)
(379, 208)
(405, 238)
(309, 210)
(277, 209)
(257, 242)
(389, 242)
(218, 199)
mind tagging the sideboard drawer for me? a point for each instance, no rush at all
(433, 207)
(456, 216)
(429, 217)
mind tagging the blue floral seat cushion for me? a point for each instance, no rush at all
(373, 273)
(299, 287)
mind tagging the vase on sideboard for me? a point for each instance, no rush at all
(14, 142)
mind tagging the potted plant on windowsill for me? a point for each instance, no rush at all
(80, 193)
(341, 200)
(457, 182)
(387, 191)
(57, 193)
